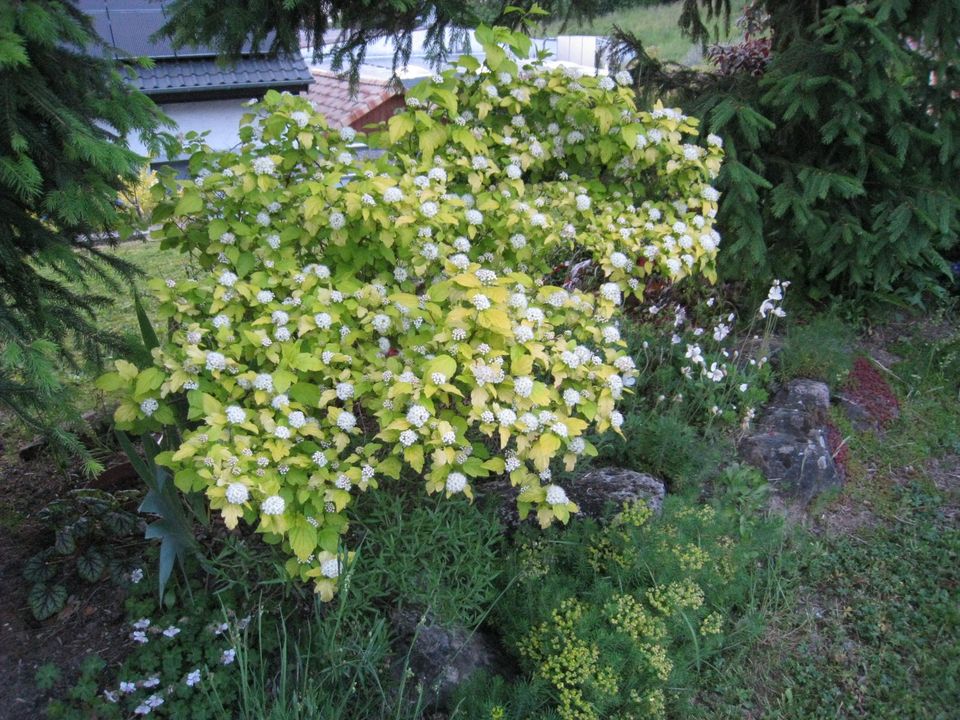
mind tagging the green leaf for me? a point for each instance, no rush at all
(245, 263)
(147, 333)
(90, 565)
(66, 543)
(400, 126)
(46, 600)
(306, 393)
(303, 539)
(149, 379)
(190, 203)
(39, 568)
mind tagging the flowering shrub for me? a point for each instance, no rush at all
(358, 314)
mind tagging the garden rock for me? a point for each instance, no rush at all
(441, 657)
(593, 491)
(790, 444)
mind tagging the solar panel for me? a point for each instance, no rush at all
(130, 26)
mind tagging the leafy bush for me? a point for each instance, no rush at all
(360, 315)
(614, 620)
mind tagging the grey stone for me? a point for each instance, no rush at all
(857, 414)
(440, 656)
(593, 491)
(789, 445)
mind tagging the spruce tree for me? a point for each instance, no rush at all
(842, 152)
(64, 111)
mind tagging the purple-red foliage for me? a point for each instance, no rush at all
(751, 55)
(838, 448)
(870, 390)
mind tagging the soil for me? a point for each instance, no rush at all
(91, 622)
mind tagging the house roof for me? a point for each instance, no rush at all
(331, 96)
(128, 27)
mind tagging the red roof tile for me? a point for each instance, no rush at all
(331, 96)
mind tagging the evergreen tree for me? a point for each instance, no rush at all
(843, 160)
(64, 109)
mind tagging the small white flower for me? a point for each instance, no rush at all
(264, 165)
(418, 415)
(571, 397)
(263, 381)
(273, 505)
(408, 438)
(392, 195)
(337, 220)
(297, 419)
(216, 361)
(171, 631)
(139, 636)
(556, 495)
(227, 278)
(230, 655)
(616, 419)
(474, 217)
(149, 406)
(480, 301)
(265, 296)
(347, 134)
(237, 493)
(192, 678)
(523, 386)
(611, 292)
(136, 576)
(235, 414)
(330, 568)
(346, 420)
(456, 482)
(127, 687)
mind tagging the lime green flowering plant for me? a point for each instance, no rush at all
(360, 313)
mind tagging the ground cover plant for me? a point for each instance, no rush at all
(356, 318)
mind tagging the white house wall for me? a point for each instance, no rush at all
(220, 117)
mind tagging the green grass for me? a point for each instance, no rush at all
(862, 619)
(155, 263)
(656, 25)
(119, 316)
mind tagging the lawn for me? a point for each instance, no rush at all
(656, 25)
